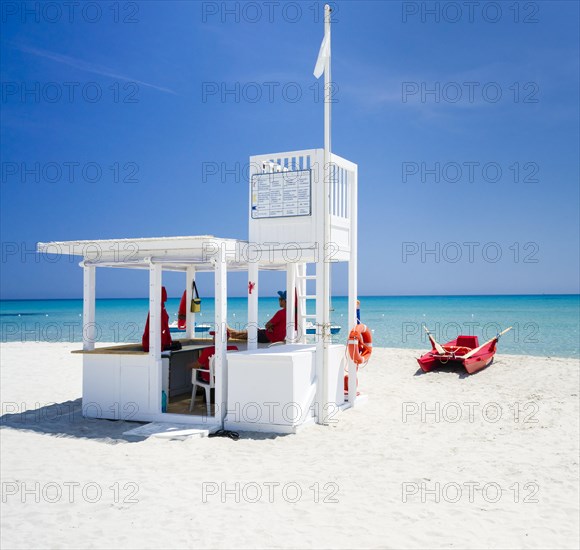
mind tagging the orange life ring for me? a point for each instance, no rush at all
(360, 344)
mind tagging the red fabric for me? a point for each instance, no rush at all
(204, 357)
(182, 312)
(165, 332)
(277, 330)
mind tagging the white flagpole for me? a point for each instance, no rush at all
(325, 264)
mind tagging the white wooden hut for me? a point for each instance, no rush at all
(276, 388)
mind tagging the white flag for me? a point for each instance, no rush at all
(323, 56)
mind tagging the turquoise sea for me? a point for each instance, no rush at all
(546, 325)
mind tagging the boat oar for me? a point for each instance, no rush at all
(474, 351)
(436, 345)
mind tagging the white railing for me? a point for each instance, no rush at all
(340, 187)
(293, 160)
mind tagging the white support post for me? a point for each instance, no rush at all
(220, 362)
(352, 279)
(253, 274)
(89, 307)
(189, 316)
(290, 303)
(155, 365)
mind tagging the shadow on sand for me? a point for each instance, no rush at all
(456, 368)
(66, 420)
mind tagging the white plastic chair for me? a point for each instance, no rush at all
(207, 386)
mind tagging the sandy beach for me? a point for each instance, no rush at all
(438, 460)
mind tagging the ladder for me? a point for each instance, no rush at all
(303, 299)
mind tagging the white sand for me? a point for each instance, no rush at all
(367, 456)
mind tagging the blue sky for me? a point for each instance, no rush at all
(130, 101)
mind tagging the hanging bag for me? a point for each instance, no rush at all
(195, 305)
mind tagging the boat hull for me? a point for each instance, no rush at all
(478, 364)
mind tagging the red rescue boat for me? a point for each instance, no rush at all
(464, 351)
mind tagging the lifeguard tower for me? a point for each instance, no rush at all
(302, 218)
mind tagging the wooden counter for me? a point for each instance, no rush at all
(137, 349)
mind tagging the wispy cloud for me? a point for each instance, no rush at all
(90, 67)
(375, 89)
